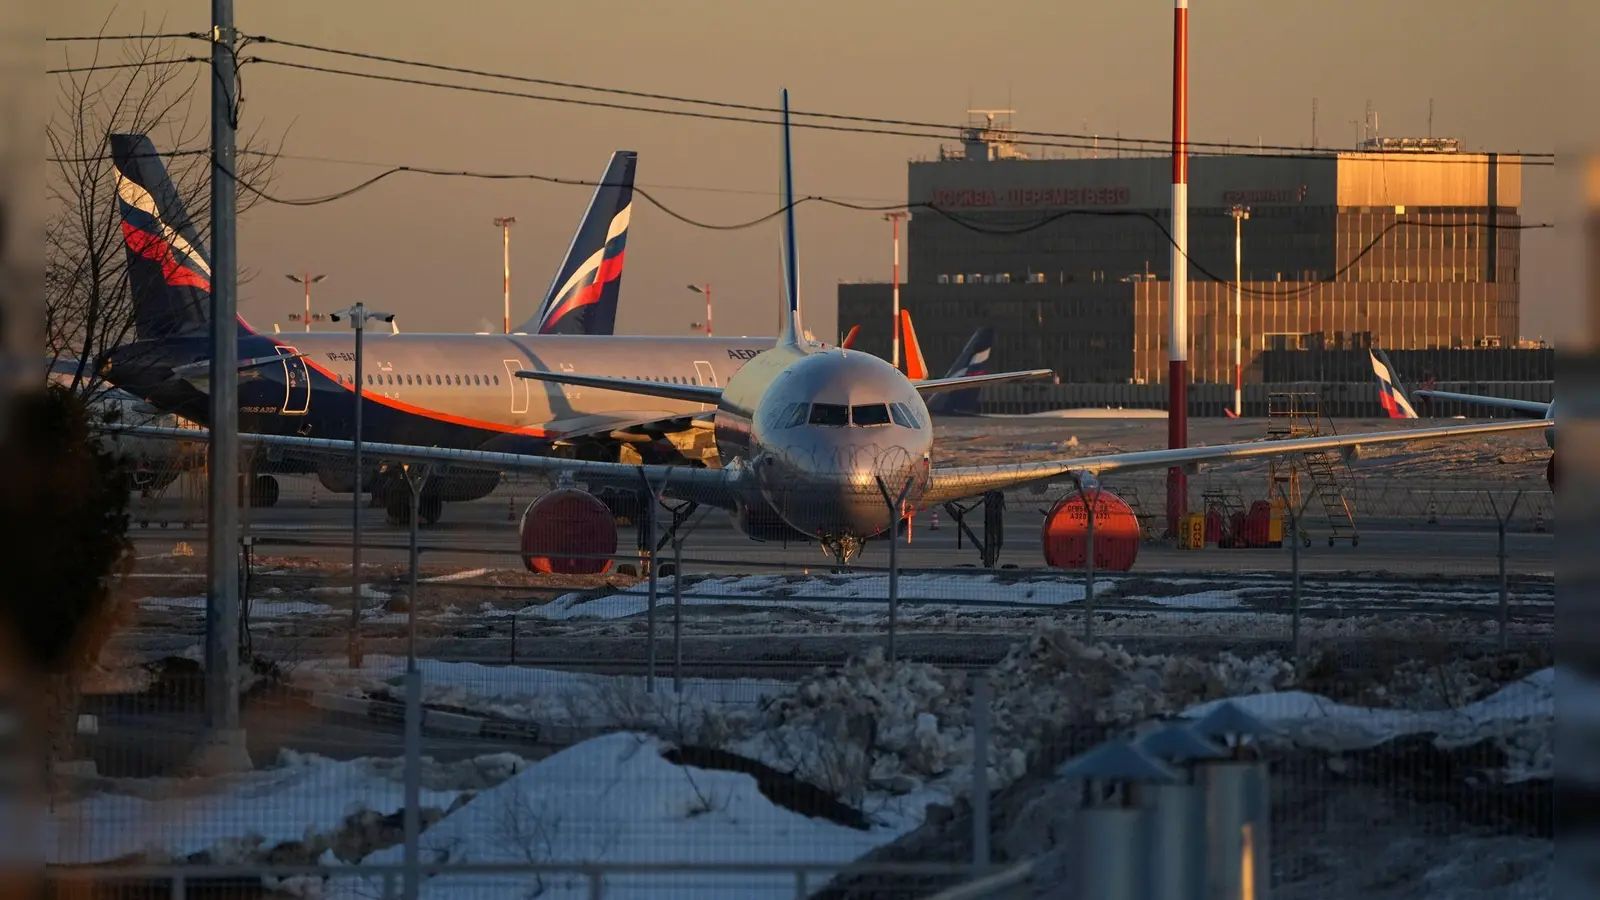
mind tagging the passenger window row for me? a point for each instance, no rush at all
(834, 415)
(480, 380)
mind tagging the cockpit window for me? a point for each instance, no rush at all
(794, 415)
(870, 414)
(830, 414)
(902, 415)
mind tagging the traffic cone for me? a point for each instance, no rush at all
(934, 525)
(1538, 519)
(511, 510)
(1433, 513)
(313, 495)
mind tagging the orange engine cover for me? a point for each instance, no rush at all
(565, 532)
(1116, 533)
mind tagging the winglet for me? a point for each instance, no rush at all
(793, 332)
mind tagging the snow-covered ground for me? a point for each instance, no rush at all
(615, 799)
(886, 740)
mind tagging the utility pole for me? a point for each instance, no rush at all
(707, 291)
(358, 316)
(505, 223)
(894, 219)
(308, 280)
(224, 748)
(1239, 213)
(1178, 348)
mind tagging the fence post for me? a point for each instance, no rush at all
(650, 609)
(597, 887)
(1293, 536)
(411, 818)
(894, 583)
(677, 613)
(179, 888)
(1501, 521)
(980, 771)
(800, 890)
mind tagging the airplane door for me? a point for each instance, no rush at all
(519, 386)
(297, 381)
(707, 376)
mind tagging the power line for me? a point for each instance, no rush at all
(718, 117)
(955, 217)
(1079, 138)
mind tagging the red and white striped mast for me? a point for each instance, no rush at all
(1178, 347)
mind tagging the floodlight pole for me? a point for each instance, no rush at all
(505, 223)
(1239, 213)
(308, 280)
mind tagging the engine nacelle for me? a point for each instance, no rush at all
(762, 523)
(567, 532)
(462, 485)
(1065, 535)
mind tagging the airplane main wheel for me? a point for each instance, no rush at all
(431, 508)
(398, 506)
(263, 491)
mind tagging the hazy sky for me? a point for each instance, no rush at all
(426, 248)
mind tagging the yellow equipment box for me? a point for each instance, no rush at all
(1192, 531)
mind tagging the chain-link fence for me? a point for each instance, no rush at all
(664, 691)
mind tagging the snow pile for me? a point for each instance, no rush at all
(259, 609)
(616, 799)
(872, 726)
(307, 804)
(1518, 719)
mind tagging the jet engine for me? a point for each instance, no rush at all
(567, 532)
(1066, 533)
(762, 523)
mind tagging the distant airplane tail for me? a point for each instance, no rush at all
(915, 365)
(1391, 393)
(169, 270)
(850, 339)
(582, 298)
(973, 360)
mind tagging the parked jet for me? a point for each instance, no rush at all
(1392, 394)
(440, 390)
(826, 444)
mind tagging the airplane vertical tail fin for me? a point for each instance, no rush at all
(850, 339)
(793, 332)
(972, 360)
(916, 366)
(583, 295)
(169, 270)
(1391, 393)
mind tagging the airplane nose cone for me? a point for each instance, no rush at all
(838, 487)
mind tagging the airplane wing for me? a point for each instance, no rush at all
(694, 393)
(1522, 406)
(954, 483)
(602, 424)
(712, 487)
(940, 385)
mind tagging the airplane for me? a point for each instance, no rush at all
(821, 443)
(972, 360)
(444, 390)
(1392, 394)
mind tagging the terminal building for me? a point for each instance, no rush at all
(1408, 244)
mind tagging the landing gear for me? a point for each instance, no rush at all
(843, 549)
(398, 506)
(994, 526)
(263, 491)
(651, 545)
